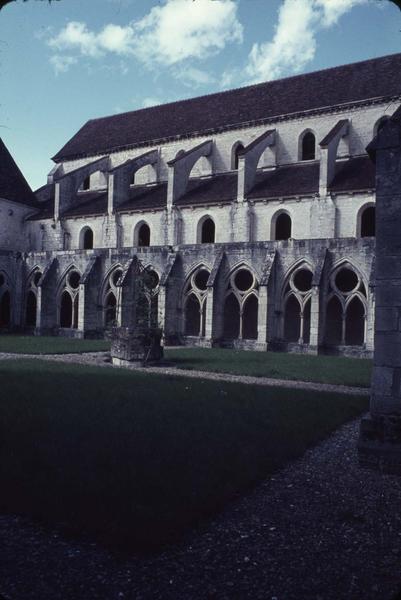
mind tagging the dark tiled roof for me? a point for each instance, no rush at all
(354, 174)
(144, 197)
(13, 185)
(88, 203)
(289, 180)
(379, 77)
(220, 188)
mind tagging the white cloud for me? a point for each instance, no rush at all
(76, 36)
(151, 101)
(61, 64)
(191, 75)
(177, 31)
(182, 29)
(294, 41)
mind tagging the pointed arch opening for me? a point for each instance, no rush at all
(292, 319)
(110, 310)
(192, 316)
(355, 323)
(380, 123)
(66, 310)
(250, 318)
(334, 320)
(31, 305)
(231, 318)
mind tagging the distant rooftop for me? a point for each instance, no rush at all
(367, 80)
(13, 185)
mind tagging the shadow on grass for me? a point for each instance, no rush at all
(135, 459)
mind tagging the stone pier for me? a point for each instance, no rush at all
(380, 434)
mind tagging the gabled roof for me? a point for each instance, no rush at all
(370, 79)
(13, 185)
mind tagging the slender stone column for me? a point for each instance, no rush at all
(314, 320)
(380, 433)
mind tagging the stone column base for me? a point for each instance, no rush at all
(379, 444)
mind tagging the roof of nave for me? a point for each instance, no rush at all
(13, 185)
(375, 78)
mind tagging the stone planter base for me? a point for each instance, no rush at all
(379, 445)
(135, 346)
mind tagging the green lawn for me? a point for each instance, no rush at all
(29, 344)
(137, 459)
(278, 365)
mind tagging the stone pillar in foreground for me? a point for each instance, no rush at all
(380, 434)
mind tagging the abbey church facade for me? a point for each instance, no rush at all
(253, 210)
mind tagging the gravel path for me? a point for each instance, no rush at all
(102, 359)
(320, 529)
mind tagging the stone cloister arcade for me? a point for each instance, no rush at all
(293, 295)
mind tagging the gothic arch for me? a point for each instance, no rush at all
(110, 295)
(296, 302)
(68, 298)
(241, 303)
(195, 301)
(307, 145)
(346, 307)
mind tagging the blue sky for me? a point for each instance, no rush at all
(73, 60)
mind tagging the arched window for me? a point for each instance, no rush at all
(66, 310)
(110, 293)
(346, 308)
(241, 306)
(297, 306)
(207, 231)
(30, 317)
(195, 303)
(69, 300)
(282, 227)
(86, 238)
(235, 153)
(308, 146)
(368, 222)
(231, 318)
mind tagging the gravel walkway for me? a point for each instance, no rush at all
(320, 529)
(102, 359)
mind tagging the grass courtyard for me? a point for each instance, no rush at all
(277, 365)
(138, 459)
(30, 344)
